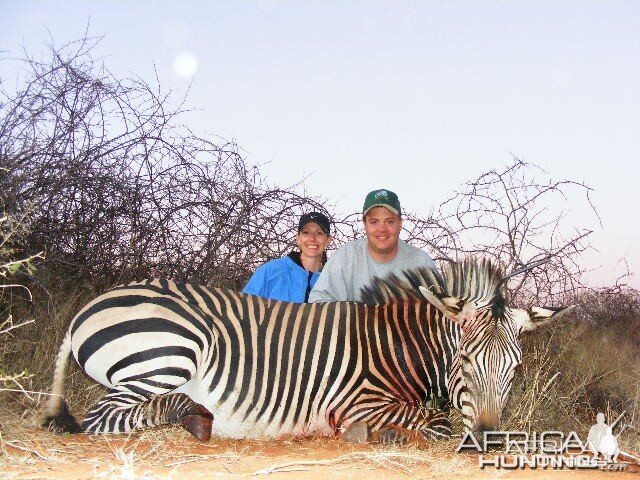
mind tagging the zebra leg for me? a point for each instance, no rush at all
(121, 411)
(361, 432)
(357, 432)
(394, 435)
(397, 424)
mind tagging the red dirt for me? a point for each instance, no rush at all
(172, 454)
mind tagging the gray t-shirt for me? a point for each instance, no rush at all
(351, 267)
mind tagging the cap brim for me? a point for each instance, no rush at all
(322, 227)
(384, 205)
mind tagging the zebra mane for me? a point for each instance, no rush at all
(470, 279)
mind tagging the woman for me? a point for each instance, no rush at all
(291, 278)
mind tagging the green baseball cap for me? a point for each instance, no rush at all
(382, 198)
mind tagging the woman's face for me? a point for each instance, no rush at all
(312, 241)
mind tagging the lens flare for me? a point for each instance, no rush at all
(185, 64)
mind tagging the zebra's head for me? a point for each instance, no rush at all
(489, 349)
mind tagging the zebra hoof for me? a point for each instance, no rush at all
(61, 425)
(391, 436)
(199, 424)
(357, 432)
(62, 422)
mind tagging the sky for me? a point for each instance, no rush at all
(414, 96)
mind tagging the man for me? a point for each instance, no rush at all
(382, 253)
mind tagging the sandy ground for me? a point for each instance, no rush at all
(28, 452)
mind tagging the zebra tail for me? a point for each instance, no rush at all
(58, 418)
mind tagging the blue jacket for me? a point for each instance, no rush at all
(282, 279)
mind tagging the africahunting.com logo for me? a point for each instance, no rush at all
(551, 449)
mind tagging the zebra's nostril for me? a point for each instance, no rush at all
(487, 422)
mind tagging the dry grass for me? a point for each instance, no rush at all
(578, 368)
(171, 453)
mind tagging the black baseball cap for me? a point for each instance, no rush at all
(315, 217)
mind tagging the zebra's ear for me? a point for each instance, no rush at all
(450, 307)
(538, 316)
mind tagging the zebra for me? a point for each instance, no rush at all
(182, 353)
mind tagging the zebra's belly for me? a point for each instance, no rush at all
(235, 426)
(234, 419)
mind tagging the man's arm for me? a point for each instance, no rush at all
(331, 286)
(413, 257)
(427, 261)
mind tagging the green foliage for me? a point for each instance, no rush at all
(10, 232)
(26, 265)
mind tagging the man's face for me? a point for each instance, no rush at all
(383, 230)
